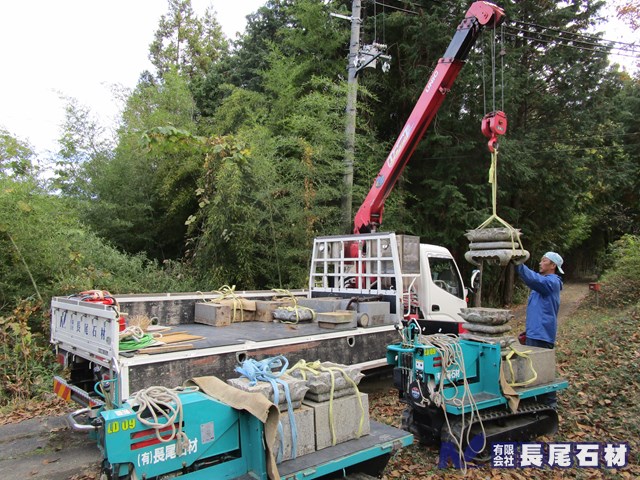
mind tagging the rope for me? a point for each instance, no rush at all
(296, 308)
(163, 403)
(227, 292)
(525, 355)
(493, 180)
(316, 368)
(133, 338)
(450, 351)
(262, 371)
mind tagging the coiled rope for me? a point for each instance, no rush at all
(263, 371)
(449, 349)
(163, 403)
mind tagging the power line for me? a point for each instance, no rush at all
(574, 149)
(601, 49)
(576, 42)
(588, 36)
(386, 5)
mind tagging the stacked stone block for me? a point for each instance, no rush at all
(487, 325)
(495, 245)
(342, 415)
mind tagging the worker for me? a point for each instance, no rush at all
(543, 304)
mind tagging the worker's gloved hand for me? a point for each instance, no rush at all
(520, 259)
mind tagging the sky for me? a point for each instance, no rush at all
(80, 49)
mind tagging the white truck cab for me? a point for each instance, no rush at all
(420, 281)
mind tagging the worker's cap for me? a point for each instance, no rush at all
(555, 258)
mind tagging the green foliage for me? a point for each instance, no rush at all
(25, 359)
(16, 156)
(46, 251)
(186, 43)
(85, 147)
(142, 197)
(621, 284)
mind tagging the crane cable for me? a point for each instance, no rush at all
(493, 169)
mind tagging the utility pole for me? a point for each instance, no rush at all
(359, 58)
(350, 127)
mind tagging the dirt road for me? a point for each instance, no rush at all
(46, 448)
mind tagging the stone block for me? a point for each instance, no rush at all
(347, 416)
(305, 433)
(338, 320)
(543, 361)
(325, 397)
(293, 314)
(224, 312)
(321, 383)
(212, 314)
(321, 305)
(297, 389)
(379, 313)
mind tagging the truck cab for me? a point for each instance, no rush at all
(420, 281)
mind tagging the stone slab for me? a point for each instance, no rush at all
(305, 433)
(346, 419)
(297, 388)
(488, 316)
(341, 319)
(325, 397)
(321, 383)
(492, 234)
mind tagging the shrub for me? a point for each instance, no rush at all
(621, 282)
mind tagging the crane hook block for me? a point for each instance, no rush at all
(494, 124)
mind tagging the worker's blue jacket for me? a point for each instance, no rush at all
(543, 304)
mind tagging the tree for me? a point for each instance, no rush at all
(16, 156)
(185, 42)
(142, 196)
(85, 147)
(629, 12)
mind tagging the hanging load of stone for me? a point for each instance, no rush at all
(488, 325)
(495, 245)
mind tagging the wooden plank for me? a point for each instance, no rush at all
(182, 337)
(167, 334)
(166, 348)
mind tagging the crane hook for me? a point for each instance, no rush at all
(494, 124)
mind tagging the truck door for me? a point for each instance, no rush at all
(442, 290)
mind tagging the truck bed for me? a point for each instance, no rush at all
(223, 348)
(89, 331)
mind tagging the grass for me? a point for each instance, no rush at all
(598, 353)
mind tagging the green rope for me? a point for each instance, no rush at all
(144, 341)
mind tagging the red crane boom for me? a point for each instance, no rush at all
(480, 14)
